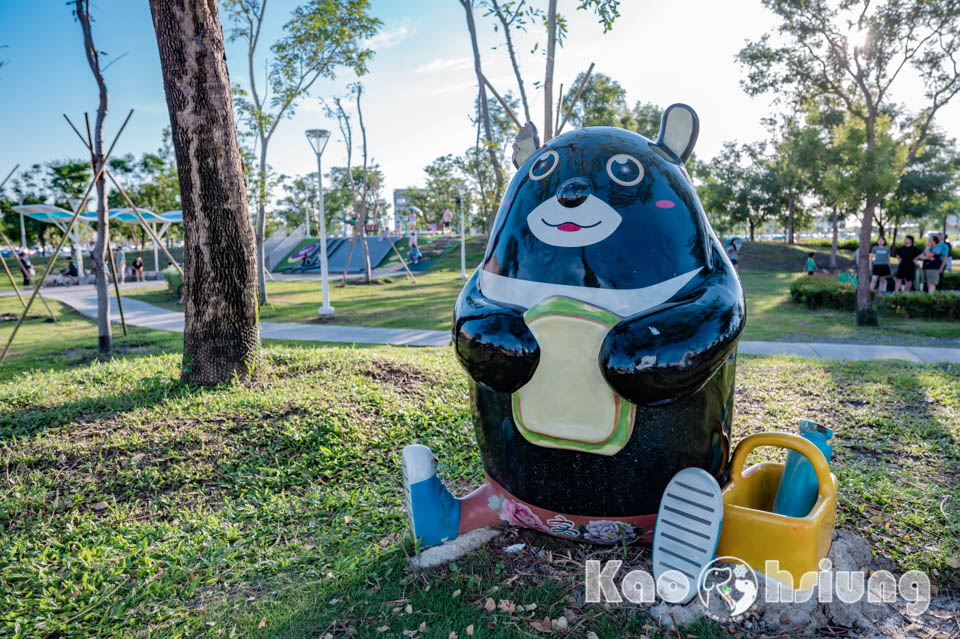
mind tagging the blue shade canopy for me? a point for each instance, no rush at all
(52, 214)
(56, 215)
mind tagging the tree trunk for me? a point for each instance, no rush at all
(790, 237)
(362, 212)
(866, 315)
(104, 336)
(833, 241)
(485, 115)
(221, 333)
(896, 229)
(262, 223)
(751, 229)
(548, 76)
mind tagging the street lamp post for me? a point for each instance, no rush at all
(318, 139)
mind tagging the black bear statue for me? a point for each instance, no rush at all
(599, 334)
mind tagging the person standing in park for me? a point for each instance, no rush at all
(907, 269)
(932, 261)
(447, 219)
(881, 264)
(811, 264)
(120, 263)
(27, 266)
(732, 254)
(946, 262)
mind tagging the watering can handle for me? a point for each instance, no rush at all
(793, 442)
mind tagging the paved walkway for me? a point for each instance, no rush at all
(137, 313)
(84, 300)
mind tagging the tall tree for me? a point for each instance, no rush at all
(854, 52)
(320, 37)
(444, 185)
(360, 198)
(485, 123)
(104, 338)
(741, 187)
(221, 337)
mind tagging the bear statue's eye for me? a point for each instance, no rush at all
(544, 165)
(624, 169)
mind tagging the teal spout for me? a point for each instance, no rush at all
(798, 489)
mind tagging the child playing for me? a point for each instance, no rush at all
(811, 264)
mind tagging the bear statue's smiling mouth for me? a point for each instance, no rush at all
(571, 227)
(550, 222)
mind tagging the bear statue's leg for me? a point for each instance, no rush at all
(435, 514)
(475, 509)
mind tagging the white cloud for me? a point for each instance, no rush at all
(388, 37)
(445, 64)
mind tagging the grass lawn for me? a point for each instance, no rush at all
(134, 505)
(768, 270)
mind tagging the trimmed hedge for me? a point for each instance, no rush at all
(843, 245)
(827, 292)
(939, 305)
(824, 291)
(851, 244)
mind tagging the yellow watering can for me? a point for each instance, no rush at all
(754, 533)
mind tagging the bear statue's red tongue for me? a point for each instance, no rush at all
(569, 227)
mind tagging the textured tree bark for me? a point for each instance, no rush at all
(833, 242)
(105, 337)
(221, 331)
(866, 314)
(548, 76)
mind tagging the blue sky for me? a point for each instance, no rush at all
(419, 90)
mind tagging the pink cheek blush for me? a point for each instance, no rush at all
(665, 204)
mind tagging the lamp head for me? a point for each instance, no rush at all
(318, 139)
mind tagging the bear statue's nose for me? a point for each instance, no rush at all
(574, 191)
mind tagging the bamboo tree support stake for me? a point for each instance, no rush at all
(63, 240)
(9, 175)
(583, 83)
(23, 269)
(402, 261)
(130, 203)
(12, 283)
(501, 101)
(116, 286)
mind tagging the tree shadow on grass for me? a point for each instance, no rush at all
(897, 454)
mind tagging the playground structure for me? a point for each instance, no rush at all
(338, 252)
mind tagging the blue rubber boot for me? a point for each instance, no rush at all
(434, 513)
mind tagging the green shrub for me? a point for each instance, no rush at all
(851, 244)
(824, 292)
(843, 245)
(174, 281)
(939, 305)
(950, 281)
(827, 292)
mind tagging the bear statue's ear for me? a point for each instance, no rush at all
(525, 144)
(678, 130)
